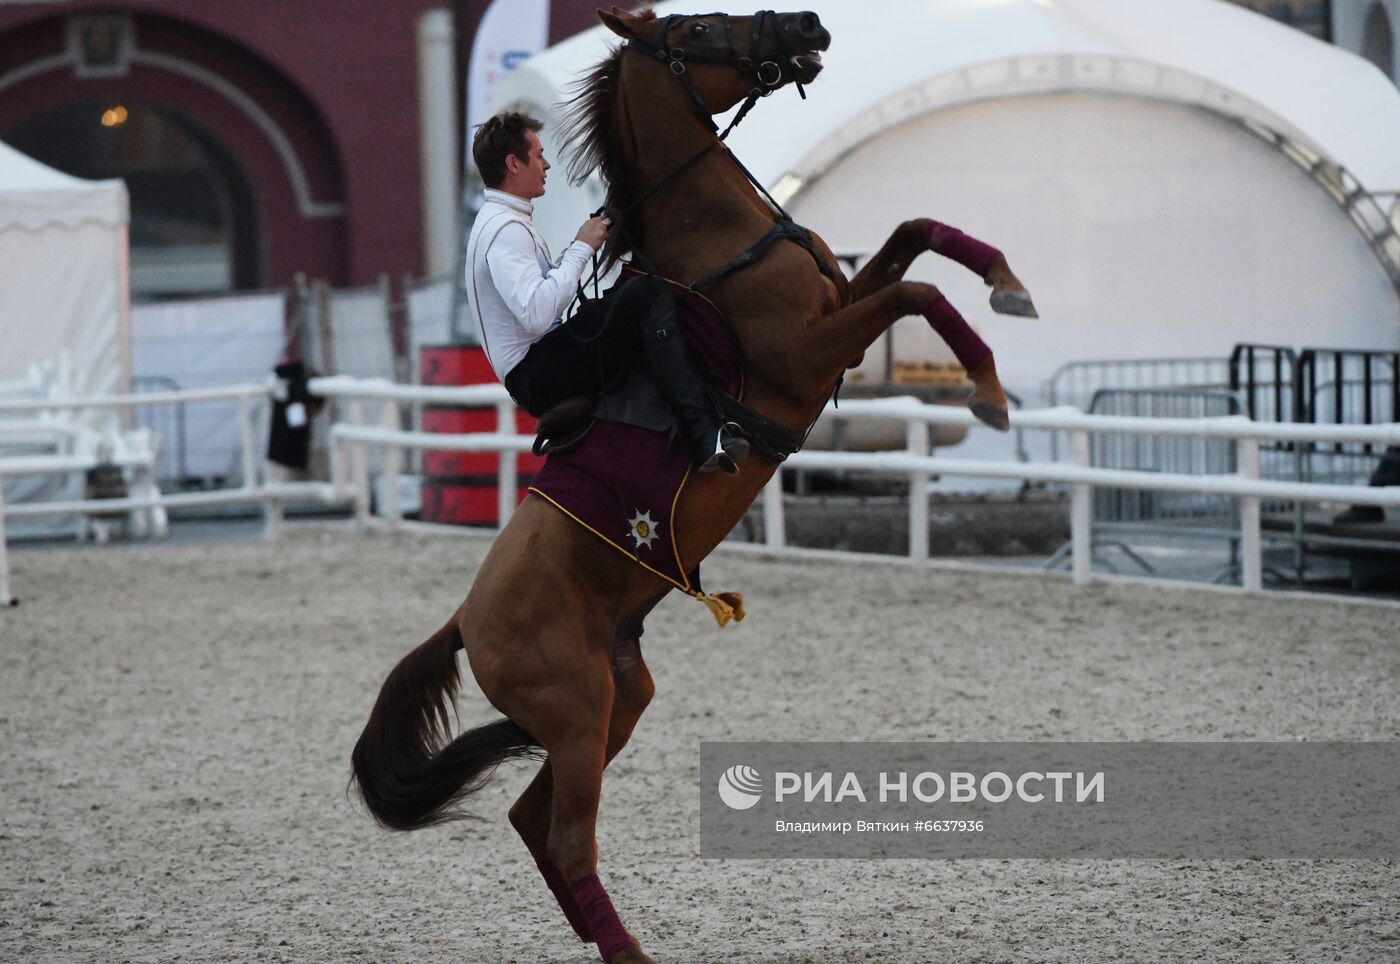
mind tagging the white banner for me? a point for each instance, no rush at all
(203, 344)
(511, 31)
(361, 343)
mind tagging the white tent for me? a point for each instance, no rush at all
(1169, 177)
(63, 274)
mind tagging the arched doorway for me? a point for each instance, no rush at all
(194, 219)
(1378, 40)
(235, 174)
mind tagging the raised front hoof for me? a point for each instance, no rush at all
(992, 414)
(1008, 302)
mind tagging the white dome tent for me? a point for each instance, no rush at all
(63, 274)
(1169, 177)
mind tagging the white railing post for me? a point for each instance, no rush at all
(272, 519)
(1081, 518)
(250, 451)
(774, 525)
(506, 482)
(340, 480)
(5, 598)
(359, 463)
(1251, 541)
(393, 461)
(917, 436)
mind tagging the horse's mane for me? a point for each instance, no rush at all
(589, 130)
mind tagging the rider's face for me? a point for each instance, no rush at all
(528, 177)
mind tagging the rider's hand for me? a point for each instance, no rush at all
(594, 232)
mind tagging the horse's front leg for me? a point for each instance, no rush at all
(912, 238)
(531, 813)
(832, 340)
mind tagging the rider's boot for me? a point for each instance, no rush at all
(715, 445)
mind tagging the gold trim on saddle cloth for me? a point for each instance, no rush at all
(726, 607)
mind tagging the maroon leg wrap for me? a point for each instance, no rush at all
(970, 350)
(560, 888)
(968, 252)
(602, 919)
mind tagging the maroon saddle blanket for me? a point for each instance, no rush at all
(624, 483)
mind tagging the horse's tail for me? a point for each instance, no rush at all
(406, 775)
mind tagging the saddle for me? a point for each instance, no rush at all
(564, 427)
(634, 400)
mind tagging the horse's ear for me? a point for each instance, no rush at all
(621, 22)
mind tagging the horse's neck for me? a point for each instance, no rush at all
(713, 199)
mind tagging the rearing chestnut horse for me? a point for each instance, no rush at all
(551, 625)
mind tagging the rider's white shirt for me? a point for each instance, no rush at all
(517, 292)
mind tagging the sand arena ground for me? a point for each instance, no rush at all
(175, 725)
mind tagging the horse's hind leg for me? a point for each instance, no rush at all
(530, 815)
(571, 716)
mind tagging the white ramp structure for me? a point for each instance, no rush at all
(1169, 177)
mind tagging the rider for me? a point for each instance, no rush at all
(519, 294)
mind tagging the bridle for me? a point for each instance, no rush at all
(767, 74)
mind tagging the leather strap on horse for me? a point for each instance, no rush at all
(768, 438)
(781, 230)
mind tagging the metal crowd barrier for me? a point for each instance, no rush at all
(1122, 513)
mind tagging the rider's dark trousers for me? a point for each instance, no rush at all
(584, 356)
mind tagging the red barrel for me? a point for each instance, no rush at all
(459, 488)
(463, 501)
(454, 365)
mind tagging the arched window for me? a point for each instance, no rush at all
(1378, 42)
(193, 219)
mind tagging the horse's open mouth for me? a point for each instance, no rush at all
(806, 66)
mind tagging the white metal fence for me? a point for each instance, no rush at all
(367, 420)
(1245, 484)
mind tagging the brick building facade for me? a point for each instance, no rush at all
(258, 139)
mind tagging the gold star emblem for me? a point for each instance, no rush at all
(643, 529)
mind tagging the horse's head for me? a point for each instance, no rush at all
(727, 58)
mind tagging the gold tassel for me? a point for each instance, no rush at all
(725, 606)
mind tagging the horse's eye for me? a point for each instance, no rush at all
(699, 29)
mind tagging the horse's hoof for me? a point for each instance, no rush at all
(1018, 303)
(633, 955)
(994, 415)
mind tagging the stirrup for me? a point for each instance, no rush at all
(730, 448)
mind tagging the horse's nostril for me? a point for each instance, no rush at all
(809, 25)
